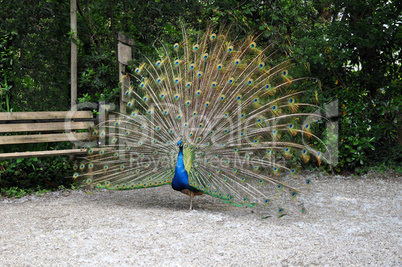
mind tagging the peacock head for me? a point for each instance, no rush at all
(180, 143)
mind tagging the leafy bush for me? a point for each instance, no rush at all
(29, 173)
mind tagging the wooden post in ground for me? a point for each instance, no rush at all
(73, 15)
(124, 57)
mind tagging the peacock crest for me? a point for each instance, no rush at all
(212, 116)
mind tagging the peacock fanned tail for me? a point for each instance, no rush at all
(239, 115)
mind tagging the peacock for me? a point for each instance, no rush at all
(213, 115)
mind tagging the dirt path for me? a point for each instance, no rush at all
(351, 222)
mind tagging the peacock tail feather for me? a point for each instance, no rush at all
(239, 114)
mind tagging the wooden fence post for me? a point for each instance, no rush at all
(124, 57)
(73, 15)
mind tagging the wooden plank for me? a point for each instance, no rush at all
(45, 115)
(43, 138)
(44, 127)
(48, 153)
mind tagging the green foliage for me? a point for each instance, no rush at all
(37, 66)
(15, 192)
(360, 69)
(29, 173)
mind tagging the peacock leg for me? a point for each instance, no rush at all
(191, 200)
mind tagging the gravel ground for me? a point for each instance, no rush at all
(351, 221)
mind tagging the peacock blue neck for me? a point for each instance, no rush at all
(180, 179)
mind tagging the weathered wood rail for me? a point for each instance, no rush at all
(44, 127)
